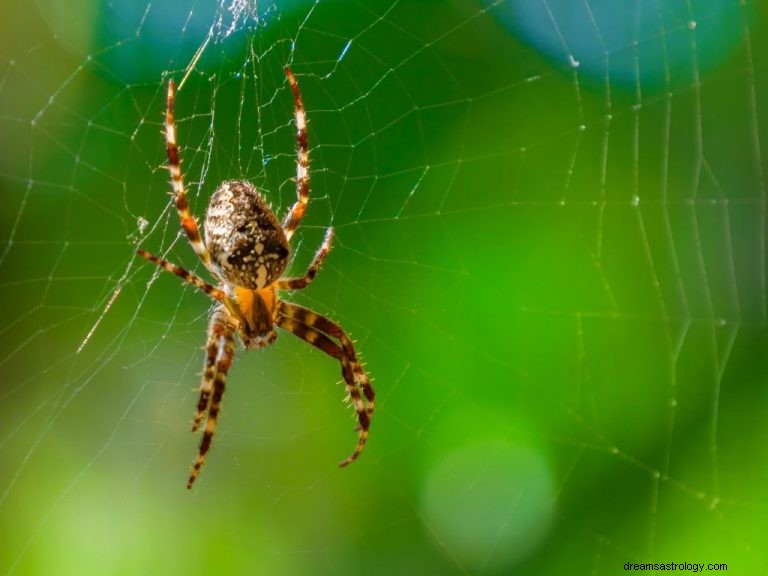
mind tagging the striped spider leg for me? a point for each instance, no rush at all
(247, 249)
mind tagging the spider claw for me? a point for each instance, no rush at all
(352, 457)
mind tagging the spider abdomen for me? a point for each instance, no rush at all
(247, 244)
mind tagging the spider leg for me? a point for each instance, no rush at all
(314, 266)
(185, 275)
(212, 347)
(188, 221)
(296, 213)
(225, 352)
(318, 331)
(215, 293)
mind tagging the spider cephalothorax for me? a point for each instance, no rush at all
(247, 249)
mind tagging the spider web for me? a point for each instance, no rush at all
(550, 248)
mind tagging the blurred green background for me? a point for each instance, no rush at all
(550, 249)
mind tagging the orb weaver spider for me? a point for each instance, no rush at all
(246, 249)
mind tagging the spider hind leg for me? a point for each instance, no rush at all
(222, 331)
(319, 331)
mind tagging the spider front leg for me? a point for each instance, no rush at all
(318, 331)
(296, 213)
(188, 221)
(222, 332)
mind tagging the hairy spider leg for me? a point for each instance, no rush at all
(188, 221)
(212, 291)
(303, 281)
(296, 213)
(316, 330)
(185, 275)
(220, 322)
(212, 347)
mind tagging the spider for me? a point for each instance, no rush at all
(246, 249)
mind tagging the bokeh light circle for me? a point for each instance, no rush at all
(489, 504)
(652, 43)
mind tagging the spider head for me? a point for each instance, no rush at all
(247, 244)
